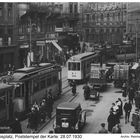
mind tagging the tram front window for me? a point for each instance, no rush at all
(17, 92)
(73, 66)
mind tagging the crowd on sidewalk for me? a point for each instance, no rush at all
(122, 109)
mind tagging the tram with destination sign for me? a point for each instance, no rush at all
(78, 66)
(28, 85)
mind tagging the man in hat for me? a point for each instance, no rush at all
(127, 109)
(103, 129)
(135, 119)
(16, 126)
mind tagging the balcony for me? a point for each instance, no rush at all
(63, 29)
(69, 16)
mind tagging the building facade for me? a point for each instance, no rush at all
(8, 37)
(61, 27)
(43, 27)
(133, 24)
(104, 22)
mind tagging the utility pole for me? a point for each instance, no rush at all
(30, 39)
(30, 53)
(136, 39)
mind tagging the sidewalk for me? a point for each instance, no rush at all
(127, 128)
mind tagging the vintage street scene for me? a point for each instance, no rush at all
(70, 67)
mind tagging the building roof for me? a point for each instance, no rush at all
(135, 66)
(4, 86)
(68, 106)
(32, 68)
(82, 56)
(18, 76)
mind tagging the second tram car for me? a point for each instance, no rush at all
(6, 105)
(78, 66)
(28, 85)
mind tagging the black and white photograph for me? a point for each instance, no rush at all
(70, 67)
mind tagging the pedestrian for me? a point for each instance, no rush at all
(111, 121)
(135, 119)
(127, 109)
(51, 132)
(16, 126)
(50, 102)
(103, 129)
(116, 129)
(73, 84)
(35, 105)
(124, 91)
(43, 110)
(120, 105)
(33, 120)
(86, 89)
(137, 99)
(131, 95)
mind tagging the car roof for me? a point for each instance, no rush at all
(78, 57)
(68, 106)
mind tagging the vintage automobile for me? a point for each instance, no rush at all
(94, 93)
(70, 118)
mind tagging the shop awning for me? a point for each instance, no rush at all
(57, 46)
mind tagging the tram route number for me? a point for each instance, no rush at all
(71, 136)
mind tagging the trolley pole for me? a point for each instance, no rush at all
(30, 41)
(136, 47)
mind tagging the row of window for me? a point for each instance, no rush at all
(39, 84)
(108, 17)
(97, 31)
(2, 12)
(73, 8)
(26, 28)
(2, 41)
(73, 66)
(127, 50)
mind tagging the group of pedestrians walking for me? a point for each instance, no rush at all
(39, 113)
(115, 114)
(116, 111)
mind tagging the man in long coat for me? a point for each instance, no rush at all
(111, 121)
(16, 126)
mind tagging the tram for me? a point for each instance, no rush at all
(28, 85)
(78, 66)
(6, 106)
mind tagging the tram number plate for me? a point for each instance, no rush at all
(65, 125)
(73, 75)
(92, 95)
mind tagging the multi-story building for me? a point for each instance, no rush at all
(50, 24)
(63, 23)
(8, 36)
(104, 22)
(133, 24)
(31, 31)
